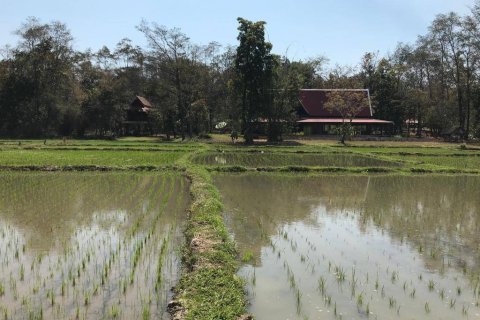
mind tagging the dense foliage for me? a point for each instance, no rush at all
(47, 88)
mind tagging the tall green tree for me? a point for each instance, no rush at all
(40, 86)
(177, 67)
(254, 71)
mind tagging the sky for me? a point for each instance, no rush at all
(341, 30)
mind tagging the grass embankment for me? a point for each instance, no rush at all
(209, 287)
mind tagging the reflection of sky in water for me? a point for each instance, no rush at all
(389, 238)
(284, 159)
(75, 240)
(220, 160)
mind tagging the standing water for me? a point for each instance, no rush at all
(357, 247)
(89, 246)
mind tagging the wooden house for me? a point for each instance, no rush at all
(316, 119)
(138, 118)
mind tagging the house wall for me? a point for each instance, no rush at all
(330, 129)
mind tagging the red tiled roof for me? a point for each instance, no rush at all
(313, 101)
(340, 120)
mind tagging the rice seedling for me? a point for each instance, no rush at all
(431, 285)
(322, 285)
(247, 256)
(114, 312)
(22, 272)
(97, 260)
(360, 299)
(452, 303)
(340, 273)
(298, 300)
(394, 277)
(392, 302)
(427, 307)
(328, 300)
(146, 312)
(86, 299)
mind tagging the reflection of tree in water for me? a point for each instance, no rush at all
(268, 202)
(438, 215)
(48, 208)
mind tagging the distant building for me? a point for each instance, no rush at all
(138, 119)
(315, 119)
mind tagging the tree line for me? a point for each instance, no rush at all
(47, 88)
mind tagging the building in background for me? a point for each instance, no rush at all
(316, 119)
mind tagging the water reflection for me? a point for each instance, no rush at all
(90, 245)
(290, 159)
(391, 247)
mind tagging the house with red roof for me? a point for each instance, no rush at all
(316, 118)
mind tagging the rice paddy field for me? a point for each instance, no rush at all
(301, 230)
(90, 245)
(390, 247)
(290, 159)
(42, 157)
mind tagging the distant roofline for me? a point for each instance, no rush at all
(334, 89)
(354, 90)
(143, 101)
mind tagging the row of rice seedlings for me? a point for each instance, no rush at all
(140, 244)
(294, 287)
(75, 273)
(163, 248)
(394, 276)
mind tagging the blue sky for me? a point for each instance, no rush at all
(341, 30)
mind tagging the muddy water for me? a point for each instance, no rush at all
(360, 247)
(89, 246)
(290, 159)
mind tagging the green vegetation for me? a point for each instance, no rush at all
(86, 158)
(209, 287)
(86, 234)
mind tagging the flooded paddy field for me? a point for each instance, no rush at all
(257, 159)
(89, 246)
(357, 247)
(455, 162)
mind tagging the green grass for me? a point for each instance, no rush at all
(454, 162)
(414, 150)
(210, 288)
(86, 157)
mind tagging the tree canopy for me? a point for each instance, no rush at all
(47, 88)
